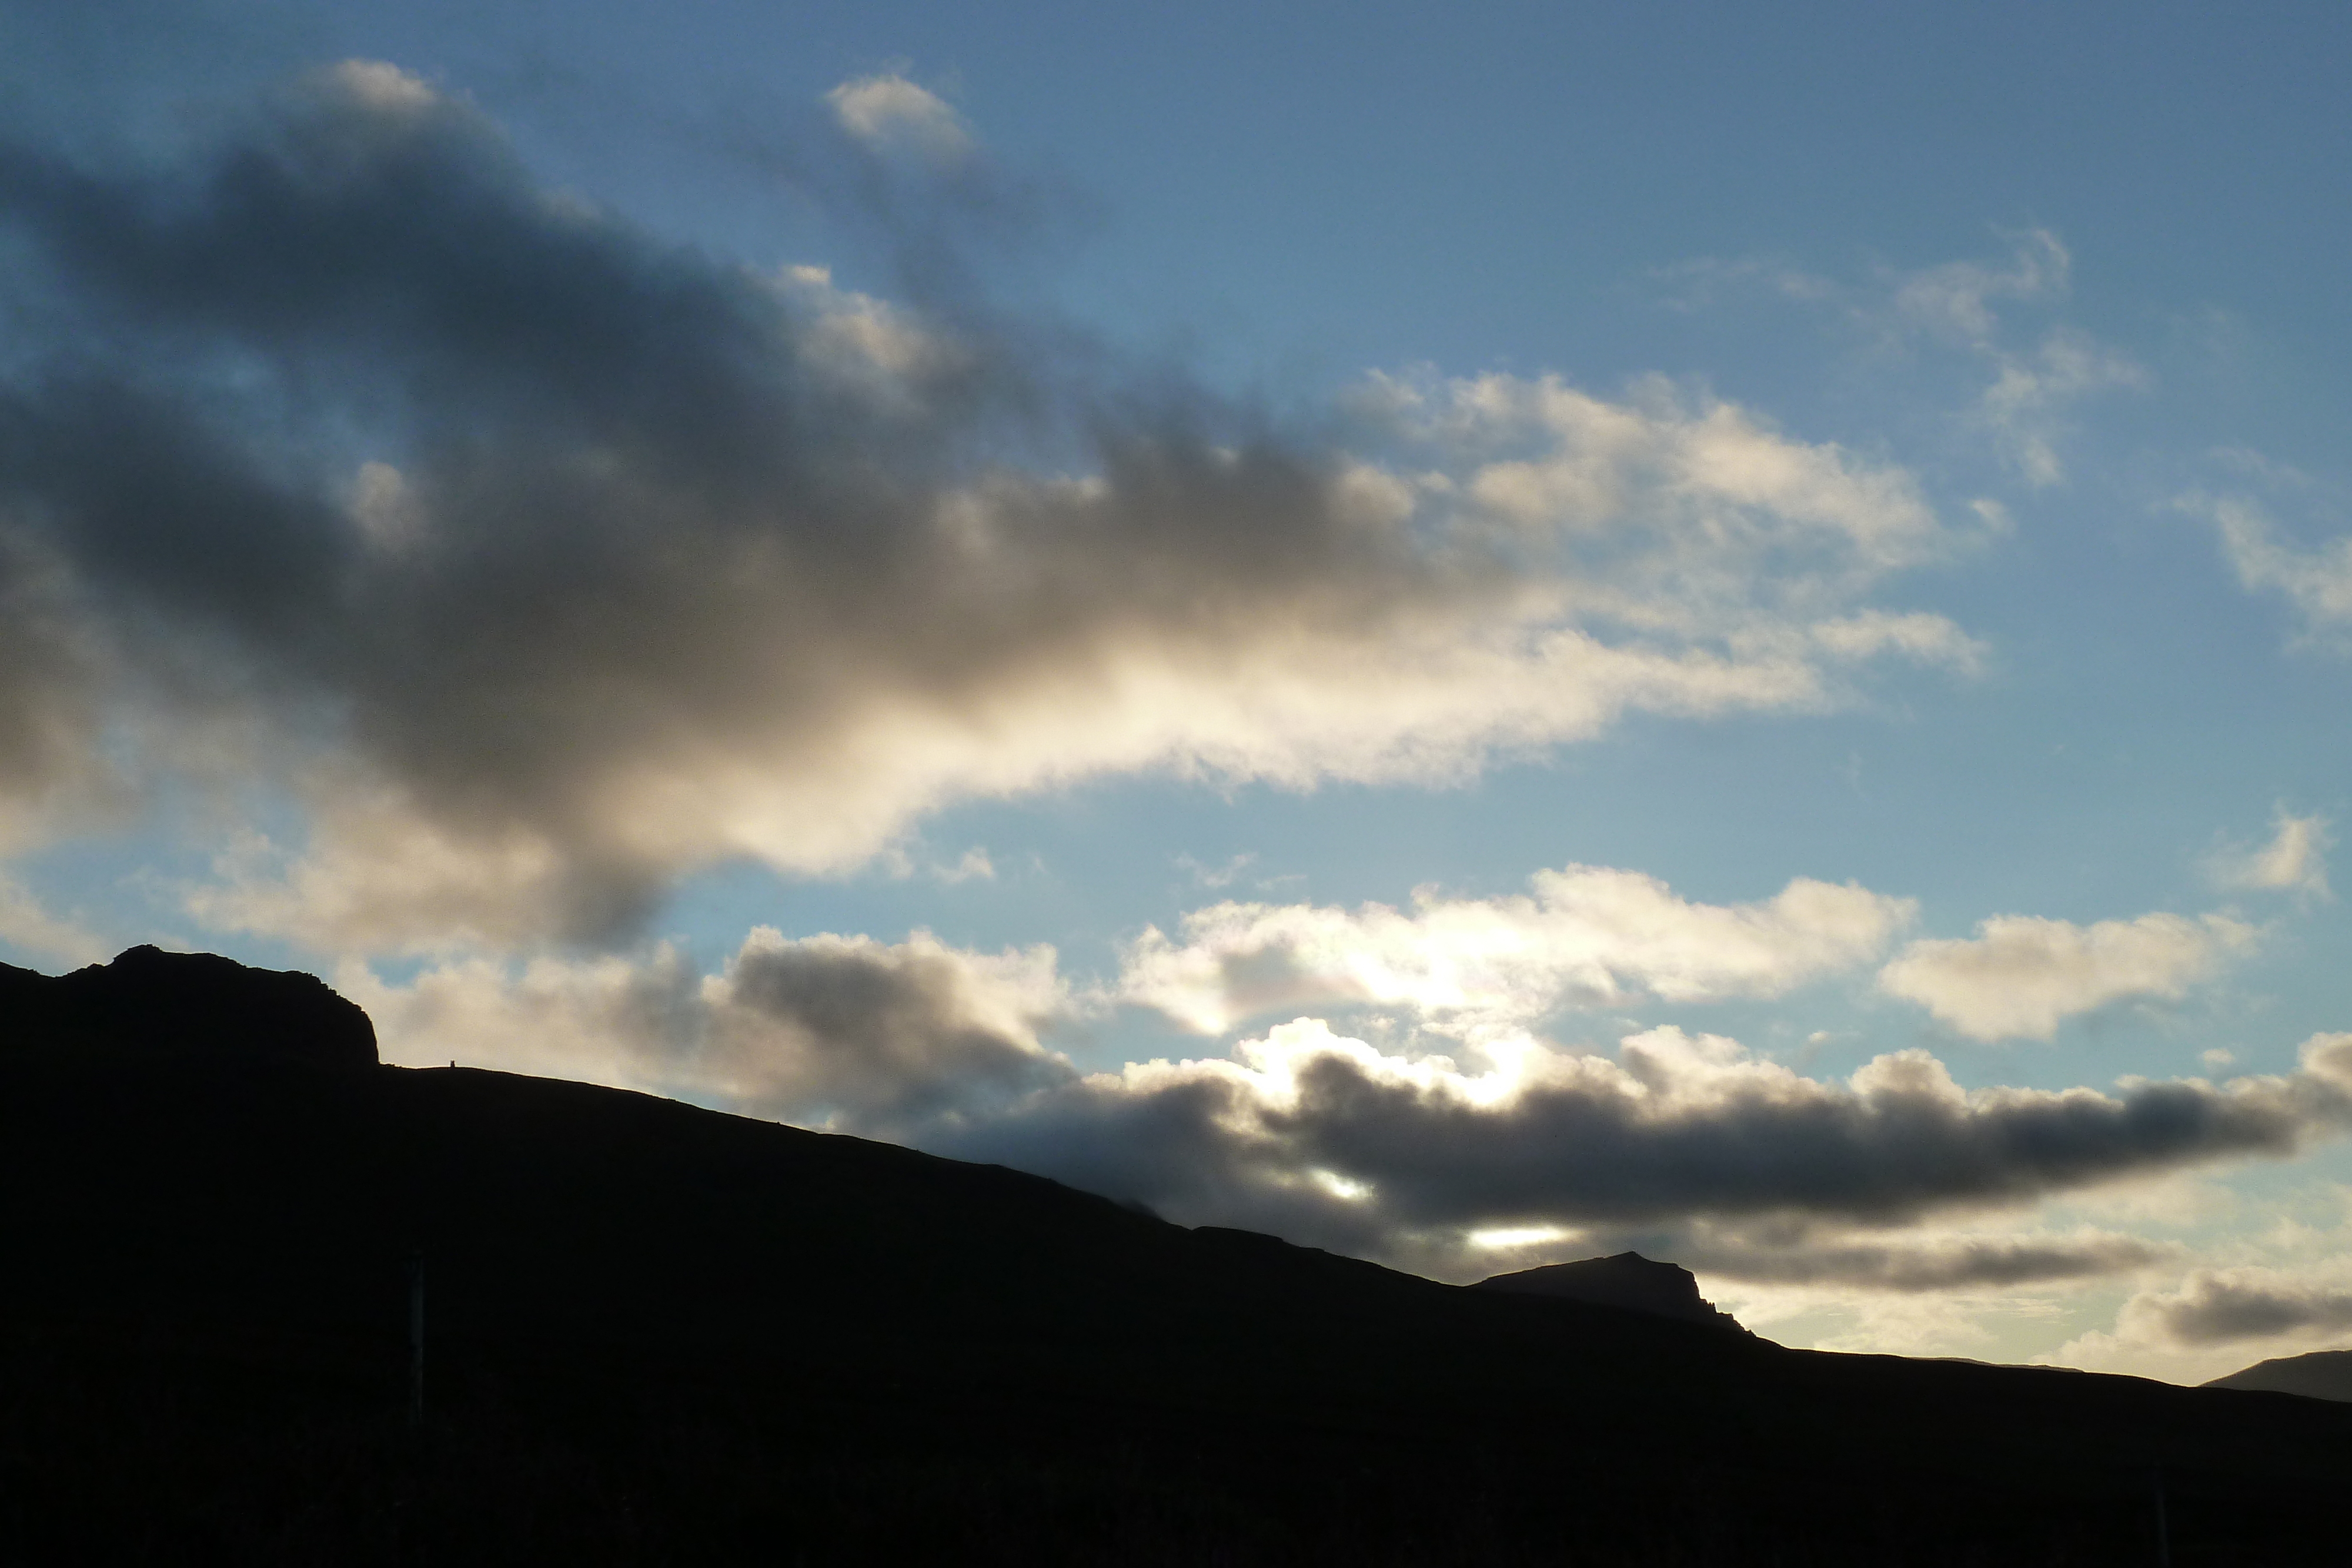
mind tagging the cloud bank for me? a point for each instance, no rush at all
(2225, 1306)
(1933, 1264)
(531, 562)
(1381, 1151)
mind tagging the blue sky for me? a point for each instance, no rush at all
(1469, 639)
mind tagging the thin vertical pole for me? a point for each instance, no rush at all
(416, 1339)
(2163, 1527)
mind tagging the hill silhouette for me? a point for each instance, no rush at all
(2320, 1375)
(659, 1333)
(1627, 1281)
(154, 1002)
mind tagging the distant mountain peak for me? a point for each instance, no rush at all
(1626, 1280)
(148, 1000)
(2319, 1374)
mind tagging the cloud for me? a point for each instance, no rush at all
(975, 865)
(881, 1033)
(1586, 937)
(56, 667)
(26, 925)
(1954, 300)
(2317, 580)
(1224, 876)
(1795, 1261)
(2294, 860)
(823, 1028)
(1324, 1138)
(1960, 1263)
(2024, 407)
(525, 563)
(1959, 307)
(1748, 1167)
(2020, 976)
(889, 114)
(2227, 1306)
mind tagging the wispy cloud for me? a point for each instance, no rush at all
(2315, 579)
(1962, 307)
(2025, 407)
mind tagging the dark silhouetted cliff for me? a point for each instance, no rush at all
(1626, 1280)
(151, 1001)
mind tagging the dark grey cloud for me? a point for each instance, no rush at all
(2222, 1307)
(842, 1031)
(882, 1036)
(1340, 1136)
(542, 559)
(1944, 1263)
(52, 670)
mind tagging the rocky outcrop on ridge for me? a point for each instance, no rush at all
(1627, 1281)
(148, 1001)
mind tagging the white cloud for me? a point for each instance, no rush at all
(383, 87)
(890, 113)
(890, 359)
(2294, 860)
(1587, 935)
(2020, 976)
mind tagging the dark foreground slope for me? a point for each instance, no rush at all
(661, 1334)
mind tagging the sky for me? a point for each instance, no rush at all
(1470, 639)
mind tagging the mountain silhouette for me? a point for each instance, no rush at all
(2320, 1375)
(1626, 1280)
(659, 1333)
(153, 1001)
